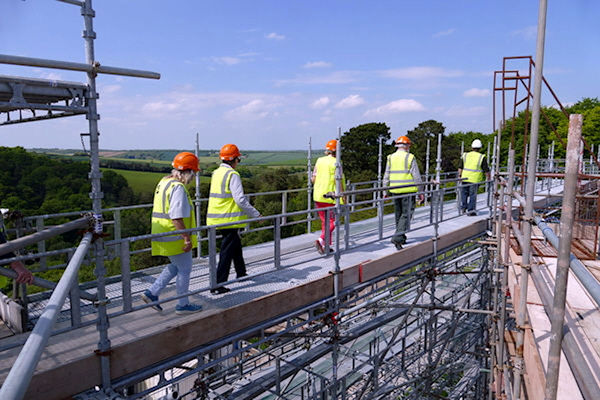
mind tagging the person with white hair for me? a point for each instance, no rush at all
(473, 170)
(173, 211)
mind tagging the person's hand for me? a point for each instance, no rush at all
(420, 198)
(187, 244)
(23, 274)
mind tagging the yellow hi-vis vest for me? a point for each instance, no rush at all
(472, 167)
(325, 180)
(400, 163)
(161, 222)
(222, 208)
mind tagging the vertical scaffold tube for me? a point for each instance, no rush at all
(530, 189)
(564, 255)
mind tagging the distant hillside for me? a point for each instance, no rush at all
(163, 158)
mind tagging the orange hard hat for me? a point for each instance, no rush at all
(229, 152)
(331, 145)
(403, 140)
(185, 160)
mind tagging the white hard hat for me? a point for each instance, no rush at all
(476, 144)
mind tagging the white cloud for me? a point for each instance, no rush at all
(474, 92)
(351, 101)
(317, 64)
(255, 109)
(444, 33)
(397, 106)
(110, 89)
(275, 36)
(321, 102)
(528, 33)
(419, 73)
(338, 77)
(226, 60)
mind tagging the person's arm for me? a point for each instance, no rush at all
(314, 175)
(179, 208)
(461, 165)
(485, 168)
(416, 174)
(187, 240)
(237, 191)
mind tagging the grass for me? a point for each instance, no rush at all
(145, 182)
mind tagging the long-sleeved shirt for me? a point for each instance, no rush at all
(414, 171)
(237, 191)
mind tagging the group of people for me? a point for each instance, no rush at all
(173, 210)
(404, 183)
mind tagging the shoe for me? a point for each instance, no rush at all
(463, 211)
(148, 297)
(398, 246)
(472, 213)
(319, 247)
(188, 309)
(220, 290)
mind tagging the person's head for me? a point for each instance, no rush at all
(331, 147)
(403, 143)
(230, 154)
(185, 165)
(476, 145)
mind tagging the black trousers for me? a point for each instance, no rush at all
(231, 250)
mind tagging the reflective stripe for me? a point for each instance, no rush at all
(164, 199)
(160, 215)
(472, 170)
(221, 195)
(400, 164)
(171, 238)
(226, 215)
(224, 182)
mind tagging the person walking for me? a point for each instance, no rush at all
(473, 168)
(227, 203)
(401, 169)
(173, 210)
(323, 179)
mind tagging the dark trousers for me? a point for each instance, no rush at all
(231, 250)
(404, 208)
(469, 196)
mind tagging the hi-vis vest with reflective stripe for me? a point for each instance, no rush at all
(161, 222)
(472, 167)
(400, 163)
(222, 208)
(325, 180)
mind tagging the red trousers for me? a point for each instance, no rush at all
(322, 217)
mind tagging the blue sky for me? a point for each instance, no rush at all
(271, 74)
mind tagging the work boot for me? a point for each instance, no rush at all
(148, 297)
(220, 290)
(472, 213)
(319, 247)
(188, 309)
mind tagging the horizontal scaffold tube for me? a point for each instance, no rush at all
(17, 381)
(22, 242)
(74, 66)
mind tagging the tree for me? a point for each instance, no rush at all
(360, 150)
(427, 130)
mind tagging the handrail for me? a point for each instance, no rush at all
(17, 381)
(24, 241)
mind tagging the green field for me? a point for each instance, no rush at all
(145, 182)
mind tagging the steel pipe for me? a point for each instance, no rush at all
(19, 243)
(17, 381)
(75, 66)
